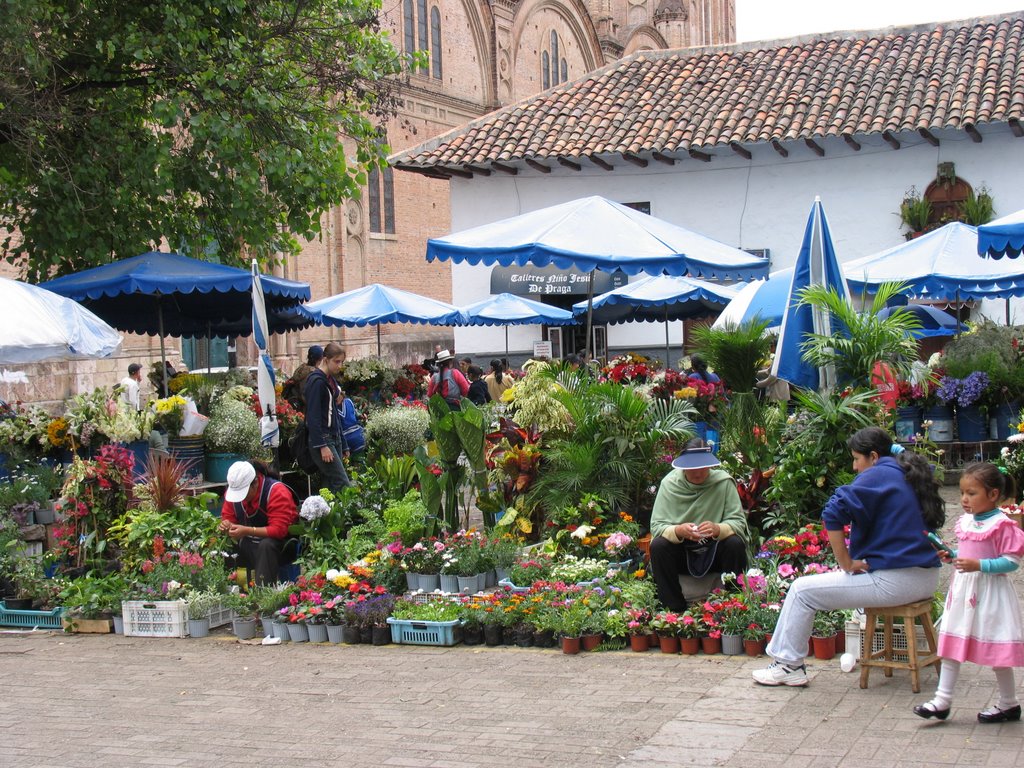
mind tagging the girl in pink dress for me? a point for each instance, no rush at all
(982, 620)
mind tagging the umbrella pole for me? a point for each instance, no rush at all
(163, 353)
(209, 359)
(667, 365)
(1007, 300)
(378, 339)
(590, 318)
(506, 341)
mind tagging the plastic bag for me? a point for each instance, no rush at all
(195, 423)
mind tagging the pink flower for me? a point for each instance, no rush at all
(786, 570)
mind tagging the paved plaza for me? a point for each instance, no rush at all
(86, 700)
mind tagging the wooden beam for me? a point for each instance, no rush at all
(505, 169)
(570, 164)
(696, 154)
(890, 140)
(537, 166)
(431, 173)
(477, 169)
(1015, 127)
(928, 136)
(663, 158)
(973, 133)
(637, 161)
(601, 163)
(815, 147)
(852, 142)
(779, 148)
(461, 173)
(740, 150)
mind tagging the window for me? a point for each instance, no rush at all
(380, 201)
(553, 70)
(422, 32)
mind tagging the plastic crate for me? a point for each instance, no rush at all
(855, 639)
(159, 618)
(32, 619)
(409, 632)
(220, 615)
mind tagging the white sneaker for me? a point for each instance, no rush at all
(779, 674)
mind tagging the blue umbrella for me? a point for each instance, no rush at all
(508, 309)
(815, 265)
(1002, 237)
(763, 300)
(934, 322)
(375, 304)
(170, 294)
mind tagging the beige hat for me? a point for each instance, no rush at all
(443, 355)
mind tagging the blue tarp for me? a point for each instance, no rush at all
(595, 233)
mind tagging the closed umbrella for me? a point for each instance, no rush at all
(270, 434)
(376, 304)
(508, 309)
(40, 325)
(815, 265)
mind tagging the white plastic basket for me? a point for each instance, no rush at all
(159, 618)
(855, 639)
(220, 615)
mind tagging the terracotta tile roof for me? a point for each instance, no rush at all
(949, 75)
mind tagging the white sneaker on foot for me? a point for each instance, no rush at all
(780, 674)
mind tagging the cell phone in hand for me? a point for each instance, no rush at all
(938, 543)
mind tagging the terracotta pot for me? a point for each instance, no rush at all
(590, 642)
(711, 645)
(689, 645)
(841, 643)
(639, 643)
(753, 647)
(824, 647)
(570, 645)
(652, 640)
(669, 644)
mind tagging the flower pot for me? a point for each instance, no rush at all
(840, 643)
(668, 644)
(824, 647)
(244, 629)
(467, 584)
(971, 426)
(429, 582)
(334, 633)
(524, 637)
(139, 449)
(481, 582)
(317, 633)
(412, 581)
(217, 465)
(365, 635)
(492, 634)
(590, 642)
(490, 580)
(732, 645)
(639, 644)
(449, 583)
(350, 635)
(46, 514)
(941, 417)
(711, 645)
(908, 422)
(543, 638)
(753, 647)
(1004, 414)
(652, 640)
(570, 645)
(689, 645)
(198, 627)
(267, 622)
(119, 625)
(382, 635)
(500, 574)
(281, 632)
(189, 451)
(472, 635)
(298, 633)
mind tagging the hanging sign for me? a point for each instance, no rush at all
(551, 281)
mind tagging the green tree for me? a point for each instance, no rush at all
(220, 125)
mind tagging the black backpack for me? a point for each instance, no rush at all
(299, 446)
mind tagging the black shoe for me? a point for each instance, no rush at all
(927, 711)
(997, 715)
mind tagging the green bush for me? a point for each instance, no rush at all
(233, 428)
(397, 430)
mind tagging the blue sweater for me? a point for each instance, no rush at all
(886, 523)
(321, 419)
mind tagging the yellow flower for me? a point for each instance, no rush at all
(685, 393)
(509, 394)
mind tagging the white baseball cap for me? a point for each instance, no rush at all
(240, 477)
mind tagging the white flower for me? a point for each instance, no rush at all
(332, 574)
(582, 532)
(1017, 438)
(313, 508)
(1004, 451)
(754, 573)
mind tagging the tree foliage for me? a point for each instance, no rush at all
(220, 125)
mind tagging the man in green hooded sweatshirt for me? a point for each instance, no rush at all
(698, 525)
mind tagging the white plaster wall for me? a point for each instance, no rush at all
(760, 203)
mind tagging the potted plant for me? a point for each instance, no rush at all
(668, 625)
(232, 433)
(734, 622)
(200, 603)
(968, 393)
(753, 639)
(90, 602)
(244, 623)
(574, 615)
(915, 213)
(823, 633)
(26, 575)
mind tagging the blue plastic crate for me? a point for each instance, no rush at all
(409, 632)
(32, 619)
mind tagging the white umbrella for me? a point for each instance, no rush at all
(269, 430)
(41, 325)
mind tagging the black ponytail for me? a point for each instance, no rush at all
(496, 367)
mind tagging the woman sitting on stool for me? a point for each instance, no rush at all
(698, 525)
(258, 508)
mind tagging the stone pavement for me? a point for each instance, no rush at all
(84, 700)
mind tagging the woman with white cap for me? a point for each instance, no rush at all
(698, 525)
(257, 511)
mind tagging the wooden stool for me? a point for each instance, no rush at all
(884, 658)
